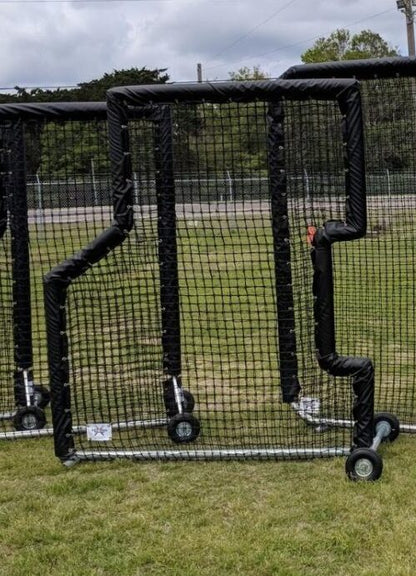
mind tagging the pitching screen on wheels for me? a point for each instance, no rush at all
(6, 297)
(55, 196)
(381, 303)
(204, 179)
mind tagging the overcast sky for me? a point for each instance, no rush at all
(50, 42)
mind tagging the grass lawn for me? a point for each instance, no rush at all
(204, 519)
(218, 518)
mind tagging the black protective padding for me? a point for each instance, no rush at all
(353, 227)
(361, 369)
(168, 256)
(4, 152)
(55, 297)
(19, 234)
(59, 111)
(57, 281)
(222, 92)
(289, 381)
(358, 69)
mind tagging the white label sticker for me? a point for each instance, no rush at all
(309, 405)
(99, 432)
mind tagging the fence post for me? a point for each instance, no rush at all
(230, 186)
(307, 188)
(39, 202)
(388, 183)
(94, 184)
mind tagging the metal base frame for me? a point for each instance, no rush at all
(220, 454)
(16, 434)
(308, 417)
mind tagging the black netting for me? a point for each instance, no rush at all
(189, 302)
(58, 197)
(378, 295)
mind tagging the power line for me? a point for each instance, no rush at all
(240, 38)
(320, 35)
(300, 41)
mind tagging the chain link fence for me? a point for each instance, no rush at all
(90, 190)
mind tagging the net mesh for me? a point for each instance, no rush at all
(228, 329)
(378, 300)
(385, 297)
(67, 205)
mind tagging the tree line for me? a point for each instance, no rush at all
(230, 139)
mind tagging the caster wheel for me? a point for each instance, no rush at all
(392, 421)
(41, 396)
(29, 418)
(183, 428)
(364, 464)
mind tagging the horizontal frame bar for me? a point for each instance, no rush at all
(231, 454)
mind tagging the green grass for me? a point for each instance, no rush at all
(220, 518)
(204, 519)
(228, 328)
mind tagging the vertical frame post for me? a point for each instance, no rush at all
(168, 252)
(4, 152)
(57, 282)
(282, 257)
(19, 230)
(360, 369)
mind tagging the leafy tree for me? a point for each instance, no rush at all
(93, 91)
(341, 45)
(60, 159)
(246, 73)
(96, 89)
(386, 126)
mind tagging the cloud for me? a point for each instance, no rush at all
(65, 43)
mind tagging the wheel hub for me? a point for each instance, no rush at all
(29, 421)
(363, 468)
(184, 430)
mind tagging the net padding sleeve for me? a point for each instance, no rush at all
(19, 232)
(168, 256)
(360, 69)
(59, 111)
(352, 227)
(223, 92)
(7, 363)
(4, 152)
(281, 233)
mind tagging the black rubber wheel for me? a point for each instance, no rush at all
(41, 396)
(364, 464)
(183, 428)
(392, 421)
(29, 418)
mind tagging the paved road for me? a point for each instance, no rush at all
(215, 209)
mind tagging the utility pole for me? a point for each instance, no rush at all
(199, 70)
(407, 8)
